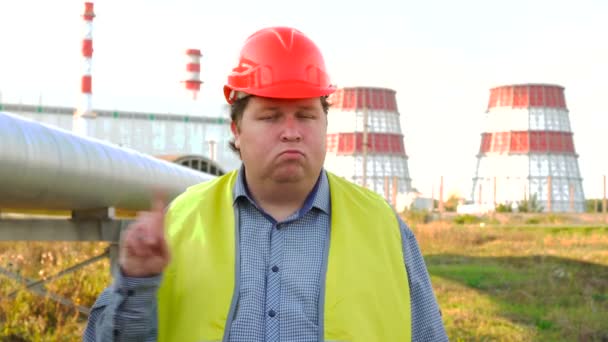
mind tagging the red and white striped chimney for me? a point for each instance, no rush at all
(86, 108)
(193, 71)
(365, 143)
(527, 149)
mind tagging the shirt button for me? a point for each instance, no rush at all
(275, 269)
(116, 332)
(272, 313)
(279, 226)
(130, 293)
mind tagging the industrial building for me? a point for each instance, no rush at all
(365, 143)
(527, 151)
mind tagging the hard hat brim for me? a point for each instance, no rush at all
(281, 91)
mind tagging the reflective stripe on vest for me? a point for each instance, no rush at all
(367, 296)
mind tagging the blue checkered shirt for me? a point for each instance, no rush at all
(281, 273)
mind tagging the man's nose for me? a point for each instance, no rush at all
(290, 130)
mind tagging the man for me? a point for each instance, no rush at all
(280, 250)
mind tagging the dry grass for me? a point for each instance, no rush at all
(29, 317)
(493, 284)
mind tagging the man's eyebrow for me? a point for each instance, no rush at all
(276, 108)
(269, 107)
(304, 107)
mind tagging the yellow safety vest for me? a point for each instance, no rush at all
(367, 296)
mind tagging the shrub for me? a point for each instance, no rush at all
(466, 219)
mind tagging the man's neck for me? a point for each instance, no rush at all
(280, 200)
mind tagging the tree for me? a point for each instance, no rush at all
(590, 205)
(530, 205)
(452, 203)
(504, 207)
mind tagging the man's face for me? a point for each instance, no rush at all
(282, 140)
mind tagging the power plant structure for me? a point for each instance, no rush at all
(85, 111)
(199, 142)
(153, 133)
(527, 151)
(365, 142)
(193, 72)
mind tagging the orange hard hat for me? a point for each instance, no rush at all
(279, 62)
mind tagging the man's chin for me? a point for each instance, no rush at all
(289, 175)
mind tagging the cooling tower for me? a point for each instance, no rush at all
(378, 144)
(527, 150)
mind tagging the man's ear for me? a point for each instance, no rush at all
(235, 132)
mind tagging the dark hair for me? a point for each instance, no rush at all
(238, 108)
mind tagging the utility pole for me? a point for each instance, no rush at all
(494, 193)
(604, 200)
(394, 193)
(525, 192)
(433, 197)
(596, 208)
(571, 194)
(387, 194)
(211, 149)
(440, 204)
(549, 194)
(363, 93)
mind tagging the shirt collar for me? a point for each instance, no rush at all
(317, 198)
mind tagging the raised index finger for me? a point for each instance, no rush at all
(159, 203)
(158, 208)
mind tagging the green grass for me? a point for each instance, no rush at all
(542, 284)
(534, 292)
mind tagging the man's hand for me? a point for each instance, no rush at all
(143, 249)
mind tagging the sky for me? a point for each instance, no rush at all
(441, 57)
